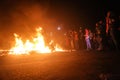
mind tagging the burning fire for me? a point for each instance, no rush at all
(37, 44)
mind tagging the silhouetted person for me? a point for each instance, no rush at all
(81, 39)
(87, 39)
(111, 29)
(99, 35)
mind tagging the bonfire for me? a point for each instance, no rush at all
(37, 44)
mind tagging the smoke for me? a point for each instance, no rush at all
(22, 17)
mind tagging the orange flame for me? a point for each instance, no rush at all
(37, 45)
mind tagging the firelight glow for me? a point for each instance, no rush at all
(37, 44)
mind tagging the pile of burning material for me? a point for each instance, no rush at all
(37, 44)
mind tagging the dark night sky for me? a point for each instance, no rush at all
(59, 11)
(22, 16)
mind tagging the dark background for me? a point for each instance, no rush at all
(23, 16)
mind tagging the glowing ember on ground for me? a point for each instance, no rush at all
(37, 44)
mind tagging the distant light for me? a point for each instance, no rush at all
(58, 28)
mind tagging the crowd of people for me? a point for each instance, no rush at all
(105, 36)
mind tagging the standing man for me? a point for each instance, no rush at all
(87, 39)
(111, 28)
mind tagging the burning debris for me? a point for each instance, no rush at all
(37, 44)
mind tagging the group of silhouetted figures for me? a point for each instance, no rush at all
(105, 36)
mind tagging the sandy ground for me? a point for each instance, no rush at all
(80, 65)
